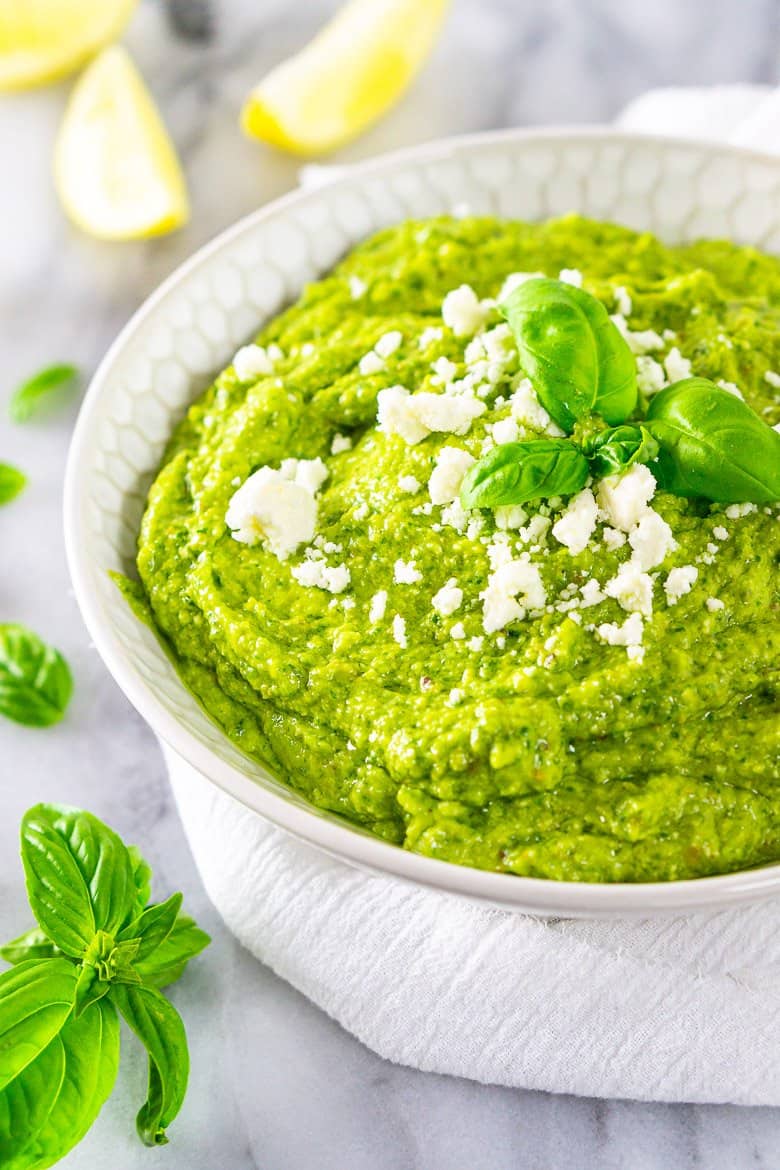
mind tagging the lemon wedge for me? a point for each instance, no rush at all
(41, 40)
(115, 168)
(346, 78)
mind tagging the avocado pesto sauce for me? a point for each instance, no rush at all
(580, 688)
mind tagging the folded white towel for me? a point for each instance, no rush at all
(675, 1010)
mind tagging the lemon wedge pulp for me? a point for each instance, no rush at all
(346, 78)
(115, 168)
(41, 40)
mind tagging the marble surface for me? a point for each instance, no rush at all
(275, 1083)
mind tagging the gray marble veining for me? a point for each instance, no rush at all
(276, 1084)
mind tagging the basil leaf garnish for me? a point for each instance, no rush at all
(712, 445)
(28, 398)
(90, 1048)
(617, 448)
(578, 361)
(79, 876)
(12, 481)
(166, 964)
(158, 1026)
(35, 680)
(514, 473)
(33, 944)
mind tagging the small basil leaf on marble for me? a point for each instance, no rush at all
(33, 944)
(12, 482)
(79, 875)
(712, 445)
(167, 962)
(90, 1050)
(151, 928)
(514, 473)
(158, 1026)
(576, 358)
(40, 390)
(617, 448)
(35, 680)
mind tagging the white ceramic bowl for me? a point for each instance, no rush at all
(190, 328)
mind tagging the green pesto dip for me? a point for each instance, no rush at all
(546, 742)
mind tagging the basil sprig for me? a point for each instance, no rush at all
(35, 680)
(614, 450)
(713, 446)
(577, 359)
(98, 949)
(515, 473)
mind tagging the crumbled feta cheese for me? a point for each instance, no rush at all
(278, 506)
(458, 632)
(399, 631)
(571, 276)
(720, 533)
(340, 443)
(429, 335)
(513, 589)
(463, 312)
(773, 379)
(730, 388)
(252, 361)
(388, 343)
(650, 375)
(651, 540)
(629, 634)
(509, 516)
(476, 643)
(623, 300)
(513, 281)
(444, 369)
(371, 363)
(632, 589)
(315, 573)
(505, 430)
(640, 342)
(714, 604)
(577, 524)
(591, 593)
(737, 511)
(448, 599)
(623, 499)
(413, 416)
(409, 484)
(405, 573)
(378, 606)
(455, 696)
(451, 465)
(454, 516)
(357, 287)
(527, 408)
(679, 582)
(677, 366)
(307, 349)
(613, 539)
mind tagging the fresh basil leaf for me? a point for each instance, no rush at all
(617, 448)
(166, 964)
(89, 989)
(578, 361)
(35, 680)
(712, 445)
(142, 877)
(153, 926)
(514, 473)
(36, 998)
(159, 1027)
(27, 1100)
(12, 481)
(28, 398)
(33, 944)
(90, 1047)
(79, 875)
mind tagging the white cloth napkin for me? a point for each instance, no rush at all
(684, 1009)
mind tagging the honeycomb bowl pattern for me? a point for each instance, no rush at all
(190, 328)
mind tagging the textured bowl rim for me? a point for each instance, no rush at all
(337, 838)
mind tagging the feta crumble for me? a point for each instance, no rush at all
(526, 408)
(632, 589)
(378, 606)
(388, 343)
(278, 506)
(451, 465)
(577, 524)
(314, 572)
(623, 499)
(413, 416)
(773, 379)
(571, 276)
(406, 573)
(629, 634)
(463, 312)
(623, 300)
(409, 484)
(399, 631)
(652, 540)
(357, 287)
(253, 361)
(340, 443)
(677, 366)
(679, 582)
(714, 604)
(513, 589)
(650, 375)
(448, 599)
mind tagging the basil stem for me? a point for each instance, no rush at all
(514, 473)
(576, 358)
(158, 1026)
(712, 445)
